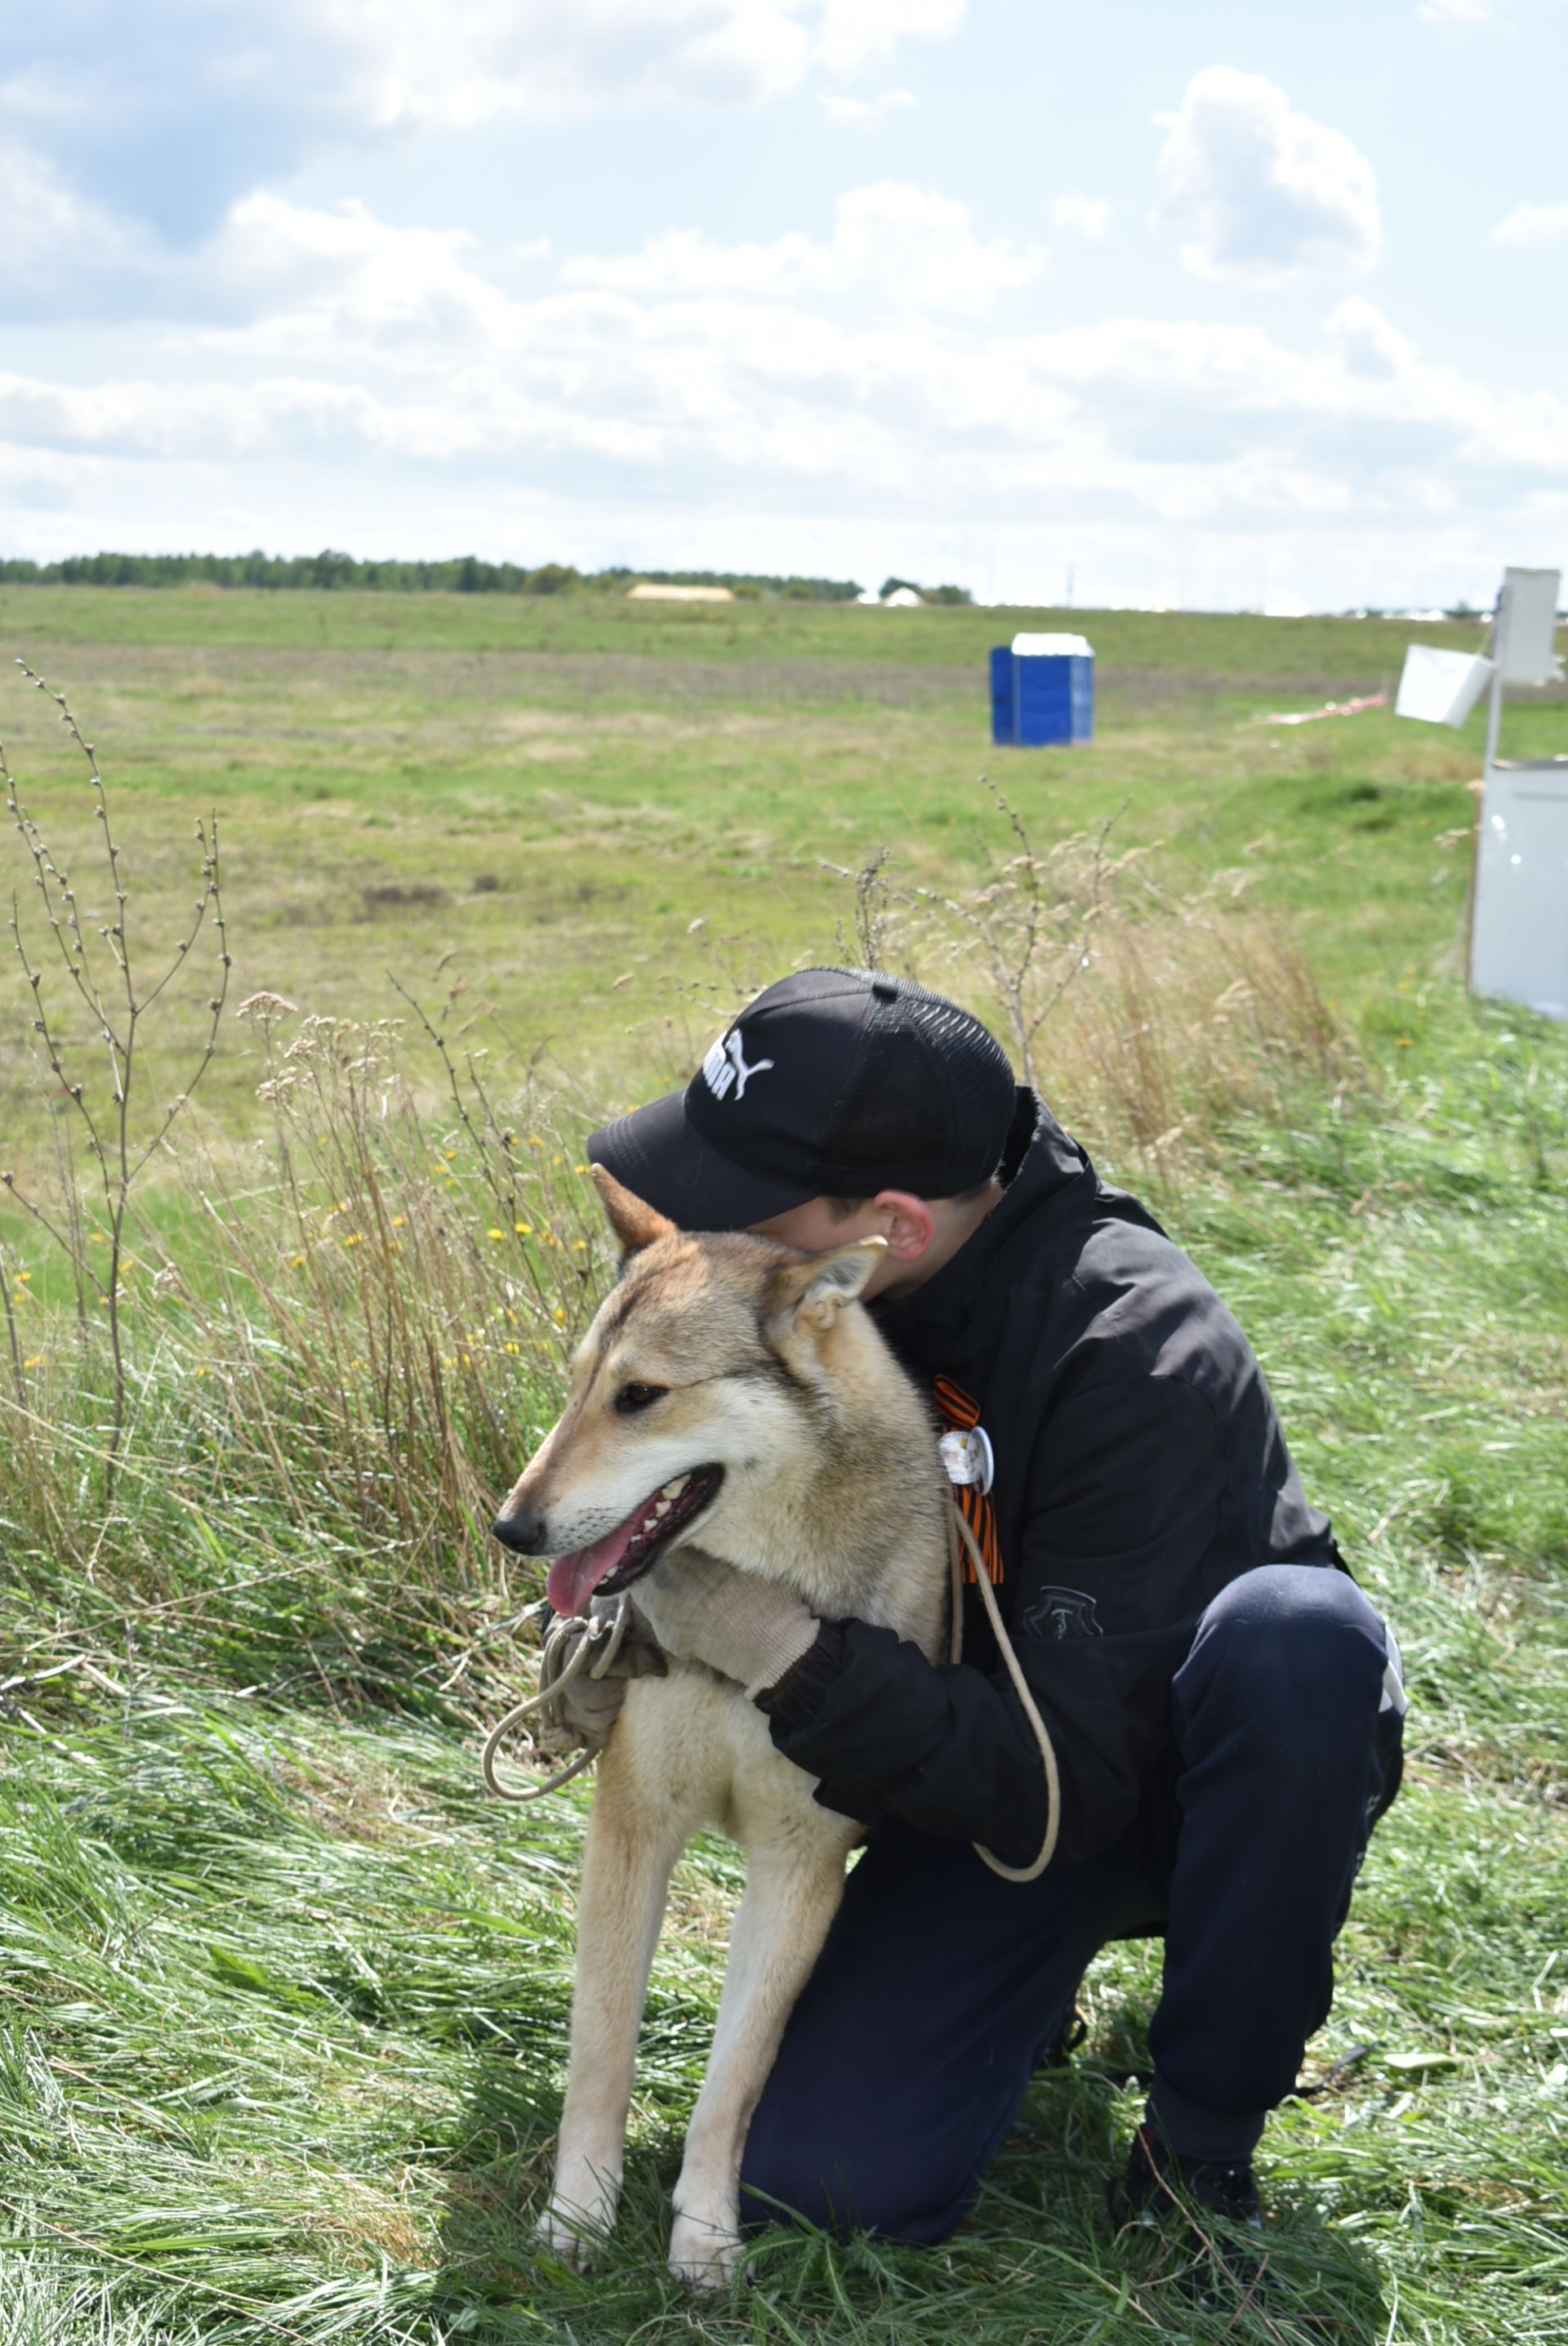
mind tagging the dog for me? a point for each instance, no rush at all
(732, 1395)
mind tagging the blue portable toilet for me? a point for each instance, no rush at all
(1043, 689)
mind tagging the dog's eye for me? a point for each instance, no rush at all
(631, 1398)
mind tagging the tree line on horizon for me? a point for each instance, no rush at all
(463, 574)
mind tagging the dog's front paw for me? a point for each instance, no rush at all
(568, 2234)
(705, 2248)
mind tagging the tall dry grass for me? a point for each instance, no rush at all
(334, 1362)
(1150, 1006)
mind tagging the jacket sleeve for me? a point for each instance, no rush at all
(1124, 1491)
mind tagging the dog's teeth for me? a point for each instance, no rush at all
(650, 1523)
(662, 1508)
(672, 1490)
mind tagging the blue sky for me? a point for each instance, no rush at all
(1213, 305)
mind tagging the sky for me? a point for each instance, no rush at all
(1214, 306)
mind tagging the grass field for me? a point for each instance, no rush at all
(554, 790)
(284, 1996)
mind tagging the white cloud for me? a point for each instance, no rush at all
(710, 373)
(1087, 215)
(863, 113)
(1268, 191)
(170, 110)
(347, 274)
(1457, 12)
(60, 249)
(856, 35)
(332, 377)
(1532, 224)
(269, 260)
(1367, 342)
(901, 245)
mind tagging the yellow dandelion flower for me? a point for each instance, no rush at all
(36, 1359)
(400, 1221)
(24, 1276)
(355, 1237)
(579, 1246)
(535, 1141)
(298, 1259)
(559, 1315)
(513, 1349)
(580, 1169)
(523, 1230)
(495, 1234)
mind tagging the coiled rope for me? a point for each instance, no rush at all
(597, 1644)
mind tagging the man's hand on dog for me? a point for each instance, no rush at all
(753, 1631)
(582, 1711)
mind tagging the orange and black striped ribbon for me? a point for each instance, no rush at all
(960, 1412)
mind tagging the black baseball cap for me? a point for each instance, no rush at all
(833, 1082)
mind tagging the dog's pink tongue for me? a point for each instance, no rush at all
(574, 1578)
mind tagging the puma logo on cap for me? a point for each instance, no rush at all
(725, 1068)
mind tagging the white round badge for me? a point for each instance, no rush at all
(969, 1458)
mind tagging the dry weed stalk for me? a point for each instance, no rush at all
(105, 981)
(1147, 1012)
(425, 1286)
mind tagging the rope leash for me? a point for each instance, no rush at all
(605, 1631)
(597, 1646)
(961, 1540)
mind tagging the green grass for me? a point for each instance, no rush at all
(553, 790)
(283, 1998)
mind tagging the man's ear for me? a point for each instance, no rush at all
(813, 1291)
(636, 1225)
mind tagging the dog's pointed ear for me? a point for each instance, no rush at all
(636, 1224)
(814, 1290)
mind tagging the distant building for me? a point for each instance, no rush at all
(646, 592)
(903, 598)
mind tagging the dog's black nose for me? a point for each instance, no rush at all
(523, 1531)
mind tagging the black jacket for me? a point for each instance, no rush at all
(1140, 1466)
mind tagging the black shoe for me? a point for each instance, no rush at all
(1212, 2200)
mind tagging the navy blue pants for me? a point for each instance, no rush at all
(941, 1987)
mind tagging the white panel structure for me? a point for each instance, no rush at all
(1527, 616)
(1439, 686)
(1518, 905)
(1519, 944)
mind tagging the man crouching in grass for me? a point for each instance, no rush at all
(1225, 1703)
